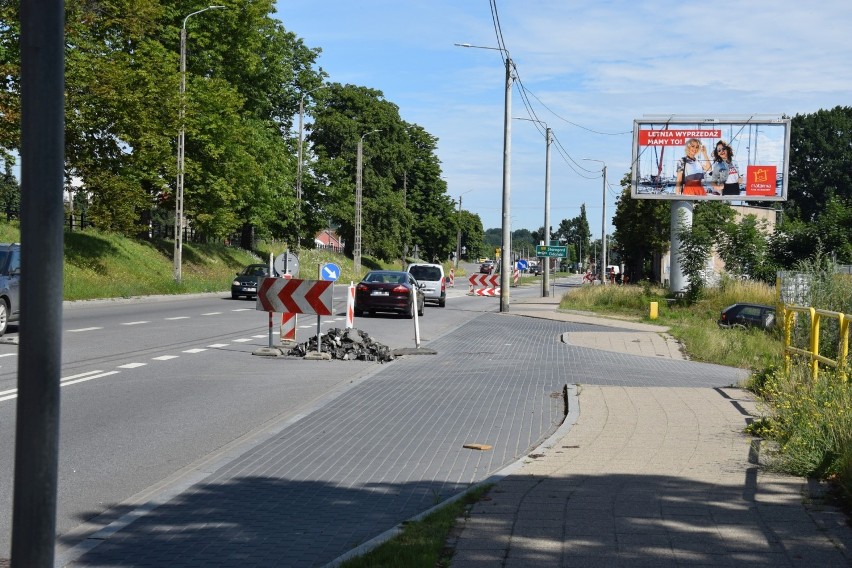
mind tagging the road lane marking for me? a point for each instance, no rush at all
(212, 314)
(196, 350)
(132, 365)
(65, 383)
(178, 318)
(218, 345)
(8, 354)
(244, 310)
(84, 329)
(243, 340)
(165, 357)
(135, 322)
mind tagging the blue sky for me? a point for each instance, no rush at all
(589, 69)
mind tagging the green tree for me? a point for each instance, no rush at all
(472, 235)
(404, 198)
(820, 154)
(10, 192)
(576, 234)
(642, 231)
(743, 246)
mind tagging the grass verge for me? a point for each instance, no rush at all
(421, 544)
(693, 325)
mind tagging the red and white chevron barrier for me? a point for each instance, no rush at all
(295, 296)
(288, 326)
(484, 280)
(350, 306)
(485, 291)
(452, 278)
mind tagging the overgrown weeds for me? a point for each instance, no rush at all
(694, 325)
(809, 424)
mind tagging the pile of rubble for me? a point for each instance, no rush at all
(346, 345)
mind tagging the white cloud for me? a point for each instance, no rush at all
(599, 65)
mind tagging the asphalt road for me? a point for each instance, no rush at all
(152, 386)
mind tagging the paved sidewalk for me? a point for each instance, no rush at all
(649, 476)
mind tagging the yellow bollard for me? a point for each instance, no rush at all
(653, 310)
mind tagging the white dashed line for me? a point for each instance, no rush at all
(243, 310)
(83, 329)
(8, 354)
(212, 314)
(260, 336)
(165, 357)
(84, 379)
(135, 322)
(196, 350)
(178, 318)
(242, 340)
(132, 365)
(217, 345)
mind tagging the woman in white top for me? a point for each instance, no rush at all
(723, 161)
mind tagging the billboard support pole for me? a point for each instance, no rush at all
(681, 212)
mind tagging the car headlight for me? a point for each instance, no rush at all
(235, 283)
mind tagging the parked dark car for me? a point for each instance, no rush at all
(248, 280)
(748, 315)
(388, 291)
(10, 284)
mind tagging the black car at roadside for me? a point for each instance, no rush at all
(747, 315)
(248, 280)
(10, 284)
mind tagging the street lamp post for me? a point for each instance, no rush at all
(506, 244)
(180, 155)
(359, 166)
(458, 233)
(603, 223)
(299, 163)
(545, 275)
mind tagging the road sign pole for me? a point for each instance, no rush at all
(319, 317)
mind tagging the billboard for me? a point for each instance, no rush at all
(722, 159)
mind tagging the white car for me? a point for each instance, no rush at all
(432, 282)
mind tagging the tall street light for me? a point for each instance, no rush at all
(180, 156)
(458, 233)
(545, 275)
(603, 222)
(356, 253)
(506, 245)
(299, 163)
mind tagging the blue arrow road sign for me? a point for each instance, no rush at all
(330, 271)
(522, 264)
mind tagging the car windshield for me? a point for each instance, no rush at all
(255, 270)
(427, 273)
(4, 261)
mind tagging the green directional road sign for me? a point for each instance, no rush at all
(551, 251)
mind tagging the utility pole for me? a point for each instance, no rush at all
(358, 200)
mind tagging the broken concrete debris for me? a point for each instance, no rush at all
(347, 345)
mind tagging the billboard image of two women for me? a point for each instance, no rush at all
(726, 159)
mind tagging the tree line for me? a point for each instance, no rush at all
(247, 77)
